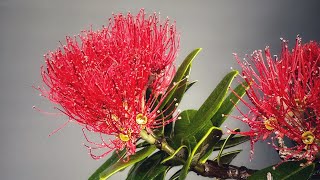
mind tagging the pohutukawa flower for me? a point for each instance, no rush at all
(284, 94)
(100, 78)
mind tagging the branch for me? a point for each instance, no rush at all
(209, 168)
(212, 169)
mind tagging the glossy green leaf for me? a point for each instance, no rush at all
(183, 123)
(168, 130)
(228, 104)
(178, 93)
(177, 89)
(161, 130)
(202, 147)
(175, 158)
(143, 144)
(180, 74)
(176, 175)
(285, 171)
(161, 176)
(120, 165)
(190, 84)
(209, 108)
(222, 147)
(207, 143)
(236, 140)
(148, 169)
(185, 169)
(185, 65)
(226, 158)
(115, 157)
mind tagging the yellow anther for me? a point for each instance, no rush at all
(114, 117)
(300, 103)
(290, 113)
(124, 137)
(307, 137)
(269, 123)
(125, 105)
(141, 119)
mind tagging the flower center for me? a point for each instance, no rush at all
(307, 137)
(269, 123)
(124, 137)
(141, 119)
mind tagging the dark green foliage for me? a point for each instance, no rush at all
(120, 165)
(285, 171)
(149, 168)
(193, 137)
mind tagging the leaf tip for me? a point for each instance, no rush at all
(197, 50)
(236, 72)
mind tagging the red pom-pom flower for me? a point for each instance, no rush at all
(285, 99)
(101, 78)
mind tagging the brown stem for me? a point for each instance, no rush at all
(212, 169)
(209, 168)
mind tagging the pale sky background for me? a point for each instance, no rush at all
(30, 28)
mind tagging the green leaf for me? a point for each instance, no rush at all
(285, 171)
(178, 93)
(180, 74)
(228, 104)
(185, 169)
(185, 65)
(224, 144)
(226, 158)
(161, 176)
(190, 84)
(209, 108)
(149, 169)
(183, 123)
(120, 165)
(115, 157)
(236, 140)
(168, 130)
(176, 175)
(142, 144)
(177, 88)
(173, 160)
(206, 143)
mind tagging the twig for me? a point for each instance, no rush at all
(209, 168)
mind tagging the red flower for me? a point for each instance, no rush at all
(284, 93)
(101, 82)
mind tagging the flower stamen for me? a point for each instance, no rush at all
(307, 137)
(269, 123)
(125, 105)
(141, 119)
(114, 117)
(124, 137)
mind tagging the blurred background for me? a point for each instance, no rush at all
(30, 28)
